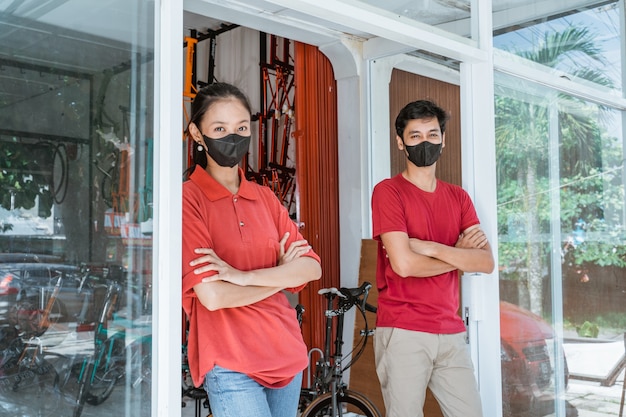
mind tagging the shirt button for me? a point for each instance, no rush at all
(241, 224)
(234, 199)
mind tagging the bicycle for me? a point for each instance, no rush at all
(189, 391)
(25, 371)
(329, 395)
(113, 359)
(34, 315)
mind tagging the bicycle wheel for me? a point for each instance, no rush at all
(141, 366)
(98, 375)
(83, 387)
(349, 404)
(31, 320)
(109, 370)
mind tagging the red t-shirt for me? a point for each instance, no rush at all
(262, 340)
(422, 304)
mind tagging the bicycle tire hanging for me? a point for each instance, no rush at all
(274, 167)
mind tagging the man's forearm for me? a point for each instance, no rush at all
(464, 259)
(426, 266)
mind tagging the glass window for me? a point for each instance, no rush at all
(76, 100)
(562, 250)
(430, 12)
(581, 44)
(451, 16)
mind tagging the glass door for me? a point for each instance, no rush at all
(562, 251)
(562, 211)
(76, 186)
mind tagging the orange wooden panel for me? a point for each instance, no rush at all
(316, 175)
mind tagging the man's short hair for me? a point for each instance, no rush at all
(421, 109)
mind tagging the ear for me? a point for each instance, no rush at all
(400, 142)
(195, 133)
(443, 141)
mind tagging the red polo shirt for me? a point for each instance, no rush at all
(262, 340)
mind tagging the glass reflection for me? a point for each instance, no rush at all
(562, 249)
(582, 43)
(431, 12)
(76, 207)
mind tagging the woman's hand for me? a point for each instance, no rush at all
(295, 250)
(209, 261)
(225, 272)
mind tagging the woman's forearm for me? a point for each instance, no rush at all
(288, 275)
(220, 294)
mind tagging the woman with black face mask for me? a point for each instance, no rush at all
(240, 251)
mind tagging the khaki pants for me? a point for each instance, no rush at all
(408, 361)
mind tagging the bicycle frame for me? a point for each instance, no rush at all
(328, 386)
(113, 358)
(336, 378)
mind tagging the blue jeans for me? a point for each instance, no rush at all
(233, 394)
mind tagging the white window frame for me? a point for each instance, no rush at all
(167, 239)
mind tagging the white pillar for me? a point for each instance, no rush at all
(167, 239)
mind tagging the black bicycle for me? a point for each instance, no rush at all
(329, 394)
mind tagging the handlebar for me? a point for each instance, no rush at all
(348, 298)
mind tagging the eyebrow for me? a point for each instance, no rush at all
(219, 122)
(430, 131)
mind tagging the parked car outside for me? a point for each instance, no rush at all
(28, 258)
(527, 361)
(27, 283)
(25, 288)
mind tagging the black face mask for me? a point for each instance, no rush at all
(229, 150)
(424, 154)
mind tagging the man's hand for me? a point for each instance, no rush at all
(472, 238)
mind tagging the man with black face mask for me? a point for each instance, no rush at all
(427, 230)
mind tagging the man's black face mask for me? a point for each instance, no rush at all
(424, 154)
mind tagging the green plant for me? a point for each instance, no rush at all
(25, 177)
(588, 329)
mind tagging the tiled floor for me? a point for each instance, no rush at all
(587, 398)
(193, 408)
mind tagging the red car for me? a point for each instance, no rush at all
(527, 362)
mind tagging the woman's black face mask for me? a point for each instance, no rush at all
(229, 150)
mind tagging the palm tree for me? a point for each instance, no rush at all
(523, 124)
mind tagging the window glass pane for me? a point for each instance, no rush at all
(582, 43)
(562, 251)
(426, 11)
(451, 16)
(76, 100)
